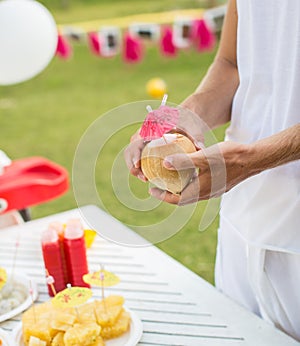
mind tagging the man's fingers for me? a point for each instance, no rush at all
(133, 154)
(191, 193)
(137, 172)
(188, 195)
(183, 161)
(165, 196)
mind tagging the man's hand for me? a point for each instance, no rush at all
(226, 164)
(133, 156)
(221, 167)
(188, 124)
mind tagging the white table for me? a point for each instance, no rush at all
(176, 306)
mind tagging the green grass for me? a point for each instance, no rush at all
(47, 116)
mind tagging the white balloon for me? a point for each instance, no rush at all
(28, 40)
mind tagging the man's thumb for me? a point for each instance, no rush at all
(179, 162)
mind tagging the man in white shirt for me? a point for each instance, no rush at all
(254, 82)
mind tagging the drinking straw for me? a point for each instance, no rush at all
(149, 109)
(163, 103)
(164, 100)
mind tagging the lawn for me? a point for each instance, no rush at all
(49, 114)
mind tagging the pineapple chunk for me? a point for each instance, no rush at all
(36, 322)
(99, 342)
(114, 300)
(107, 316)
(62, 321)
(86, 313)
(58, 340)
(33, 341)
(108, 310)
(82, 334)
(40, 329)
(37, 312)
(121, 326)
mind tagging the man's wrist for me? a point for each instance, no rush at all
(245, 158)
(255, 158)
(275, 150)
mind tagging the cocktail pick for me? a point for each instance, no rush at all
(17, 244)
(50, 281)
(32, 300)
(101, 278)
(72, 297)
(102, 286)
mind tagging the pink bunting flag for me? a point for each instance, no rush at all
(203, 36)
(94, 42)
(133, 49)
(167, 46)
(63, 49)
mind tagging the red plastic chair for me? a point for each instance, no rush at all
(31, 181)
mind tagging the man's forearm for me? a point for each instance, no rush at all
(275, 150)
(212, 100)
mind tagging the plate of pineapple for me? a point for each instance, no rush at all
(97, 323)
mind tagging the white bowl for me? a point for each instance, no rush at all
(6, 338)
(28, 284)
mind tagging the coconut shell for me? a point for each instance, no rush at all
(152, 163)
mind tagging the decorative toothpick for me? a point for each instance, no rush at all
(17, 244)
(50, 281)
(102, 277)
(32, 300)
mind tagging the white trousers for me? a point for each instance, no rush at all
(265, 282)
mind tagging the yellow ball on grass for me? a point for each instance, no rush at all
(156, 88)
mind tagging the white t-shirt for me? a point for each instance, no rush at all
(265, 209)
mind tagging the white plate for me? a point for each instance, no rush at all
(5, 338)
(24, 280)
(131, 338)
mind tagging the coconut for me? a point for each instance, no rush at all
(153, 156)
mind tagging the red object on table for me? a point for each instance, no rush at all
(30, 181)
(64, 254)
(53, 260)
(75, 253)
